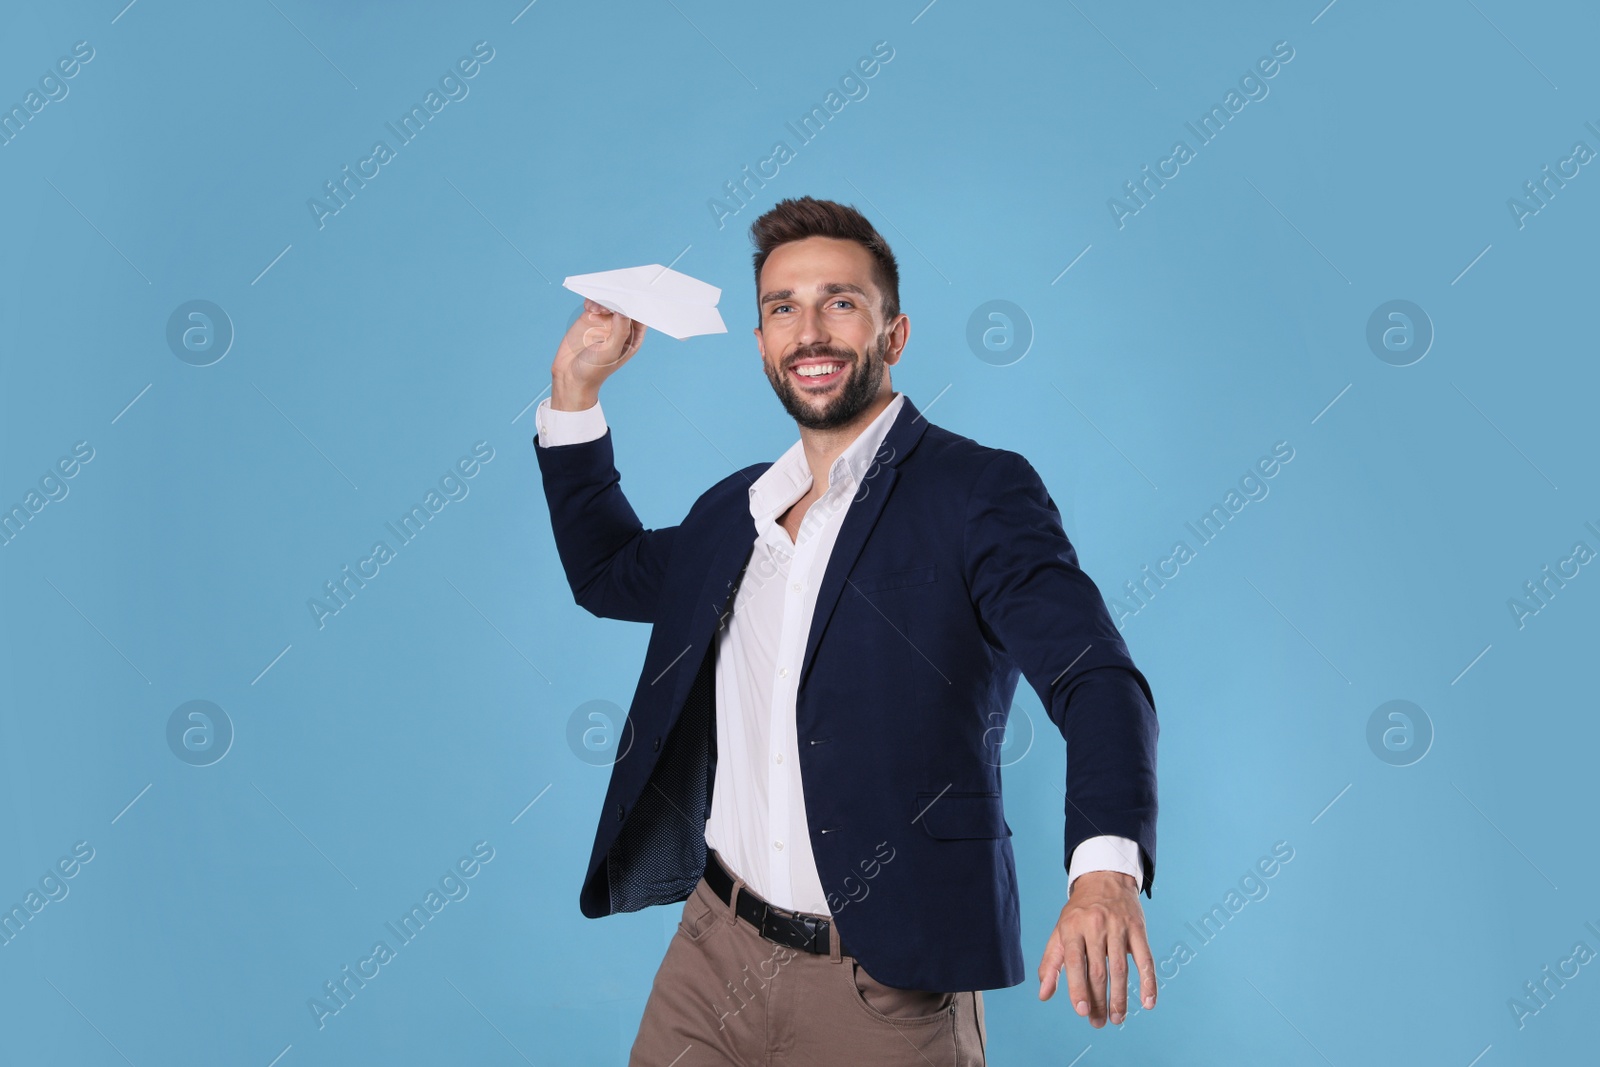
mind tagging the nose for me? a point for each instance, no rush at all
(810, 329)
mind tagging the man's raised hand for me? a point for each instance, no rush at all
(599, 341)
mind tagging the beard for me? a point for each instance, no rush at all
(862, 377)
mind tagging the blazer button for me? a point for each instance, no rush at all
(619, 812)
(656, 745)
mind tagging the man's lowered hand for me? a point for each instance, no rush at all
(1099, 928)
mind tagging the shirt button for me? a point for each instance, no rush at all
(778, 758)
(778, 845)
(797, 587)
(783, 672)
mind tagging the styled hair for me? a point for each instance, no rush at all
(794, 220)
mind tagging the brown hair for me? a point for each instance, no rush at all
(794, 220)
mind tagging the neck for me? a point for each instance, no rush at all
(822, 447)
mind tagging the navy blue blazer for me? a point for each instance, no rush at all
(951, 573)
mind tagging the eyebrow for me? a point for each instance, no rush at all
(826, 289)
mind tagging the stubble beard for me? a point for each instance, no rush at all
(861, 380)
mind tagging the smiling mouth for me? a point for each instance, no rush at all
(817, 374)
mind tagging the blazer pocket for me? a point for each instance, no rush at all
(961, 816)
(862, 584)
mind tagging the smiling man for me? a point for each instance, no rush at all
(835, 637)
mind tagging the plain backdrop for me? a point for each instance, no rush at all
(1144, 361)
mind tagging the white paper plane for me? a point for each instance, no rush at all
(660, 297)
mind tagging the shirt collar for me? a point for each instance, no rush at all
(789, 477)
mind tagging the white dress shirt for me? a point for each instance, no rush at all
(758, 814)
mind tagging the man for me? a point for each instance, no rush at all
(836, 639)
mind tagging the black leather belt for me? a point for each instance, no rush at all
(808, 933)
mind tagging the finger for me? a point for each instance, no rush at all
(1117, 976)
(598, 317)
(1147, 967)
(1078, 975)
(1050, 968)
(589, 331)
(635, 337)
(611, 349)
(621, 328)
(1095, 947)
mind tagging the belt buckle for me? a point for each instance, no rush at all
(802, 932)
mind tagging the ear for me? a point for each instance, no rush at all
(899, 336)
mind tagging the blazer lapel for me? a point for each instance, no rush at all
(859, 519)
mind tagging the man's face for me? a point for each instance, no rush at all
(824, 345)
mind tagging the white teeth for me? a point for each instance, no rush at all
(817, 370)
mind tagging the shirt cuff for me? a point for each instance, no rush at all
(1106, 853)
(558, 427)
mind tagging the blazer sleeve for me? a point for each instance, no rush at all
(1047, 615)
(614, 565)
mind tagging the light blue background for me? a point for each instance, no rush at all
(1227, 315)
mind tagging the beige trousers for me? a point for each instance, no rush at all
(726, 995)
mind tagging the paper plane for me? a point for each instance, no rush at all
(660, 297)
